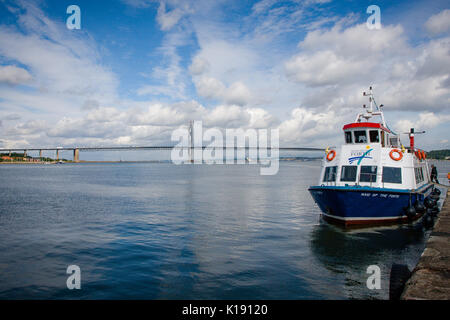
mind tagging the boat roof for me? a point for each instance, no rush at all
(365, 125)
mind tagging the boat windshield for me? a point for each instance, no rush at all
(348, 137)
(374, 136)
(360, 136)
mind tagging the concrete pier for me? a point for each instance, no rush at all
(430, 279)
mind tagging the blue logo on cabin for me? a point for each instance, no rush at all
(359, 158)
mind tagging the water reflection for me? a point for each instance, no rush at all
(348, 253)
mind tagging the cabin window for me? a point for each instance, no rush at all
(360, 136)
(374, 137)
(348, 173)
(348, 137)
(394, 141)
(330, 174)
(392, 175)
(419, 174)
(368, 174)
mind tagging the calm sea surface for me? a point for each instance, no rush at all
(161, 231)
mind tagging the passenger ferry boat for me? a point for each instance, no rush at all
(372, 179)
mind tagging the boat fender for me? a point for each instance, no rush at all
(428, 219)
(434, 211)
(410, 212)
(331, 155)
(418, 155)
(399, 157)
(429, 203)
(420, 208)
(436, 191)
(424, 155)
(434, 196)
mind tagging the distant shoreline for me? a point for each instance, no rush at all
(155, 161)
(138, 161)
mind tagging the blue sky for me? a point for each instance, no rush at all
(138, 69)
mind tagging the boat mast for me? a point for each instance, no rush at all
(369, 112)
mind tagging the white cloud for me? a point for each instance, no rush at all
(344, 55)
(326, 68)
(14, 75)
(439, 23)
(211, 88)
(248, 76)
(138, 3)
(345, 60)
(426, 121)
(199, 66)
(168, 19)
(61, 63)
(308, 127)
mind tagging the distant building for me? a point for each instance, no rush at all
(7, 158)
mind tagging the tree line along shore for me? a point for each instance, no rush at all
(20, 157)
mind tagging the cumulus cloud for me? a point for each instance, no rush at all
(14, 75)
(211, 88)
(199, 66)
(59, 60)
(426, 120)
(439, 23)
(341, 59)
(306, 126)
(168, 19)
(344, 55)
(326, 68)
(242, 72)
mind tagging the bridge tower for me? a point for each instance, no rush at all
(76, 155)
(191, 141)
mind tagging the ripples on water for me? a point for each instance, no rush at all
(161, 231)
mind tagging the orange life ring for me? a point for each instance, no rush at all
(418, 154)
(332, 153)
(400, 155)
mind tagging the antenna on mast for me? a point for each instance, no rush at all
(369, 112)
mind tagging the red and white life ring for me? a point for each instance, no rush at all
(399, 157)
(331, 155)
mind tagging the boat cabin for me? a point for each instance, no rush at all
(373, 156)
(370, 132)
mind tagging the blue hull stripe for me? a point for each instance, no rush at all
(359, 203)
(371, 189)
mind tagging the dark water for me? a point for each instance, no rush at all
(161, 231)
